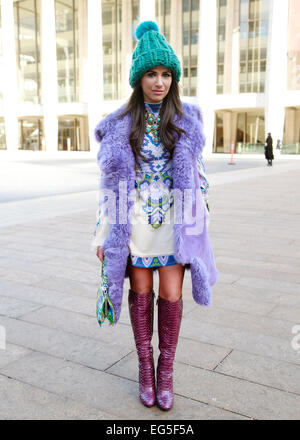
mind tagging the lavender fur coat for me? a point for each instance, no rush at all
(117, 164)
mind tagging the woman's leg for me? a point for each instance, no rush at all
(170, 282)
(169, 320)
(141, 309)
(141, 279)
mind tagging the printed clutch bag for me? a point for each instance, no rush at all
(104, 307)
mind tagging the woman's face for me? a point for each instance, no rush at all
(156, 83)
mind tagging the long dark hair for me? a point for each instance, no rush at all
(171, 105)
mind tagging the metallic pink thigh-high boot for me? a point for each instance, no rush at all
(169, 320)
(141, 317)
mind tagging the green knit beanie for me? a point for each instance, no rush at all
(152, 50)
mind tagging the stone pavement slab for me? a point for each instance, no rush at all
(241, 396)
(20, 401)
(255, 295)
(14, 308)
(188, 352)
(81, 325)
(244, 340)
(264, 370)
(86, 351)
(104, 391)
(243, 321)
(234, 360)
(12, 353)
(286, 312)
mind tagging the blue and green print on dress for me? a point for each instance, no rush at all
(153, 177)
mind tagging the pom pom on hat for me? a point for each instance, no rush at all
(144, 27)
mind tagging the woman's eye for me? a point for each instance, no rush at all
(153, 73)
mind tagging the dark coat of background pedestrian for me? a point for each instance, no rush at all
(269, 148)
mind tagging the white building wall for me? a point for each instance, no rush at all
(95, 69)
(49, 75)
(276, 72)
(10, 80)
(147, 10)
(206, 81)
(275, 99)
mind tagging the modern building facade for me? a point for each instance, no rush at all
(64, 64)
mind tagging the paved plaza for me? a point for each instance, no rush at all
(238, 359)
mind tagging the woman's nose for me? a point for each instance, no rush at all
(159, 81)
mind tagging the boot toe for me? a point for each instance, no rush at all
(165, 400)
(147, 396)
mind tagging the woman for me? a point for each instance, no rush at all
(269, 155)
(152, 215)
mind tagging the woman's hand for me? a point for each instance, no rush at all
(100, 254)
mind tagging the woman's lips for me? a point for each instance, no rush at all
(158, 92)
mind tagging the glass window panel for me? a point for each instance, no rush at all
(253, 47)
(219, 136)
(186, 5)
(163, 15)
(111, 40)
(66, 22)
(221, 57)
(135, 19)
(294, 46)
(31, 134)
(71, 131)
(250, 132)
(2, 135)
(27, 32)
(221, 26)
(190, 24)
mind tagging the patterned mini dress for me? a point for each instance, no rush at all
(151, 241)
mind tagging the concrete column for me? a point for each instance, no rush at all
(49, 75)
(276, 72)
(95, 70)
(290, 122)
(147, 10)
(297, 126)
(126, 54)
(232, 48)
(10, 79)
(206, 84)
(229, 129)
(83, 133)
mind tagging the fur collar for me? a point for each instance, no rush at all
(114, 130)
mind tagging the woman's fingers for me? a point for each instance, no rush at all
(100, 254)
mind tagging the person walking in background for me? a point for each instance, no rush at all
(269, 149)
(278, 146)
(152, 146)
